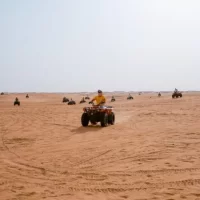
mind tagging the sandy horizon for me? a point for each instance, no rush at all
(151, 153)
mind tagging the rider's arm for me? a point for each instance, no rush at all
(93, 99)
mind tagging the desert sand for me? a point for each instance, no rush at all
(152, 152)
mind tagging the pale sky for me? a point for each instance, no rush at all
(86, 45)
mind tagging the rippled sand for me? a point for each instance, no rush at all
(152, 152)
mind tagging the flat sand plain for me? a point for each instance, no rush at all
(152, 152)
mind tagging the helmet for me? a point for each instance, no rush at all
(99, 91)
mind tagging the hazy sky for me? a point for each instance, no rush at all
(85, 45)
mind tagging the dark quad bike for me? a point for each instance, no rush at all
(16, 102)
(95, 114)
(176, 95)
(71, 102)
(112, 99)
(82, 101)
(87, 97)
(65, 100)
(129, 98)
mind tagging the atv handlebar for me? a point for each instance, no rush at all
(91, 102)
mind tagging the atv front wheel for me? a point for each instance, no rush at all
(104, 119)
(85, 119)
(111, 118)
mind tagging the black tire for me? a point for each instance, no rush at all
(104, 119)
(173, 96)
(180, 95)
(111, 118)
(85, 119)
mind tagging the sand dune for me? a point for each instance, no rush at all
(152, 152)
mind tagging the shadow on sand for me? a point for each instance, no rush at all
(89, 128)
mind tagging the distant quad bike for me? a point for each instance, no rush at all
(71, 102)
(87, 98)
(129, 98)
(27, 96)
(95, 114)
(2, 93)
(177, 94)
(65, 100)
(159, 94)
(113, 99)
(17, 102)
(82, 101)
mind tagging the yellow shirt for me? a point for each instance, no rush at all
(100, 99)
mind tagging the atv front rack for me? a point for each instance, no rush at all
(99, 108)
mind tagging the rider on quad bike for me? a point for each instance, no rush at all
(100, 99)
(175, 91)
(98, 113)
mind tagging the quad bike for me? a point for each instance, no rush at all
(87, 98)
(17, 102)
(113, 99)
(65, 100)
(159, 94)
(2, 93)
(27, 96)
(82, 101)
(129, 98)
(96, 113)
(176, 94)
(71, 102)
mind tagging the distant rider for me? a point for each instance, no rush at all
(100, 99)
(175, 90)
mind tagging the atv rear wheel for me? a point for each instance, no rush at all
(85, 119)
(111, 118)
(104, 119)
